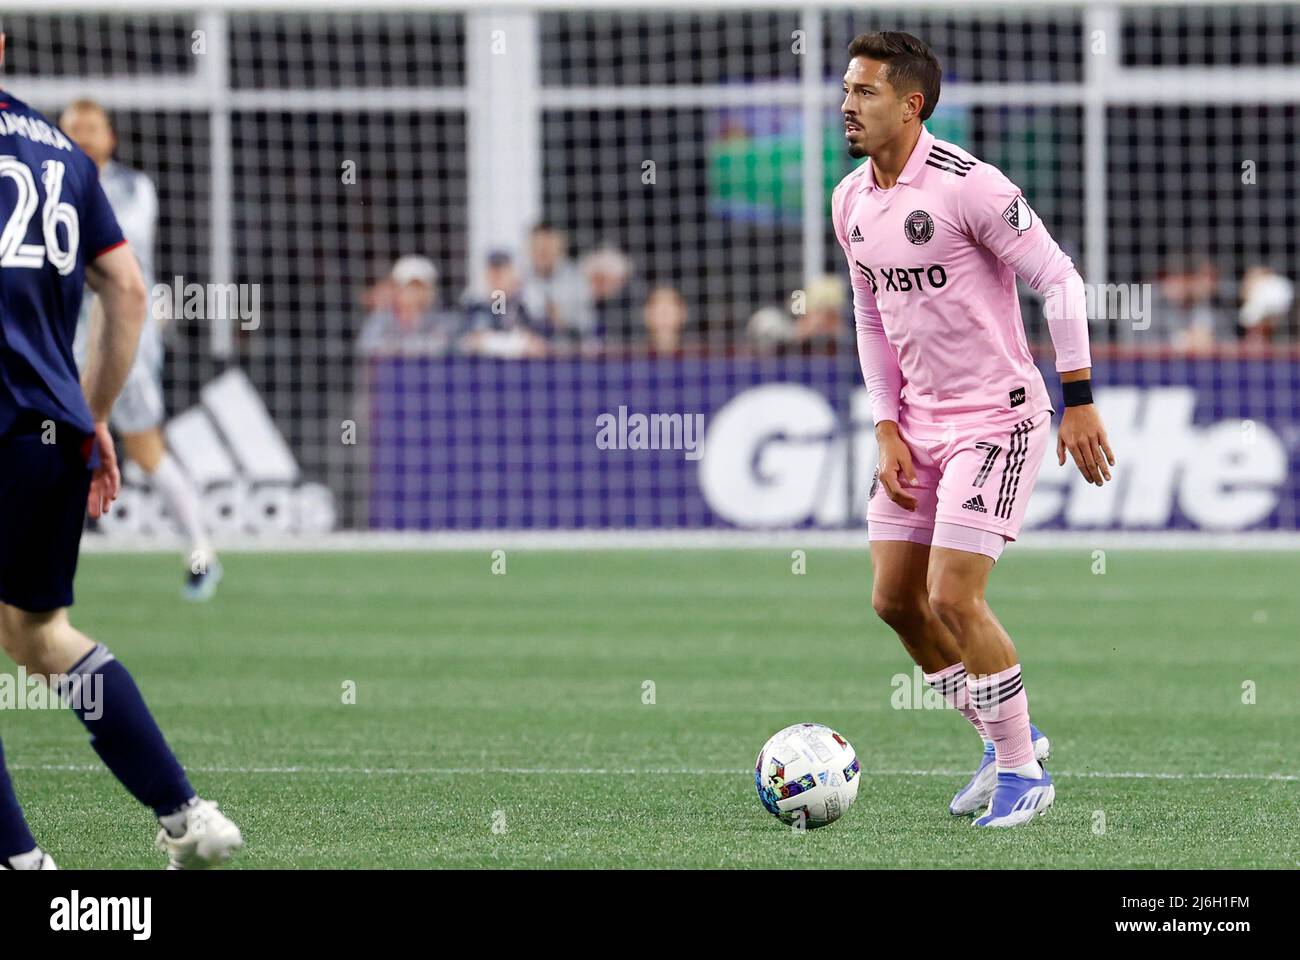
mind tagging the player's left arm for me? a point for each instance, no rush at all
(1000, 219)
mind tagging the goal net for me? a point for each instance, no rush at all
(442, 268)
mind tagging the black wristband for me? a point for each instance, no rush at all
(1077, 393)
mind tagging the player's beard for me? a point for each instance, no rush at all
(857, 147)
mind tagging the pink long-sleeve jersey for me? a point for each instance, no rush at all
(933, 262)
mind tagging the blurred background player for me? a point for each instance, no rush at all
(57, 462)
(138, 414)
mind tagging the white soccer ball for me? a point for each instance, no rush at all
(807, 775)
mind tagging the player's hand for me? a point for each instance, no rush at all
(895, 465)
(106, 480)
(1084, 436)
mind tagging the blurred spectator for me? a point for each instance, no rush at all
(769, 328)
(1266, 300)
(820, 328)
(823, 325)
(664, 316)
(497, 320)
(615, 295)
(554, 291)
(378, 296)
(1185, 311)
(406, 318)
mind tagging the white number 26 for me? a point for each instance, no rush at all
(13, 251)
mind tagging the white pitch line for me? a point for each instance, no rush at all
(648, 771)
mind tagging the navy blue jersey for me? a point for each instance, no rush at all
(54, 219)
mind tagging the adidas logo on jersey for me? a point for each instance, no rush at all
(975, 503)
(856, 235)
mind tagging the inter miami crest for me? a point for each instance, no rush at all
(1018, 216)
(918, 227)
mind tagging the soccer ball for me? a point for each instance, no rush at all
(807, 775)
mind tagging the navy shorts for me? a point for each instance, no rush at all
(43, 491)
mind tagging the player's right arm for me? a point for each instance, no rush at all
(880, 371)
(116, 318)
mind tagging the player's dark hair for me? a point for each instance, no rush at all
(912, 65)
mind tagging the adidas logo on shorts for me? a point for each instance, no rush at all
(975, 503)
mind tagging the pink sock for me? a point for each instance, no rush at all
(951, 684)
(999, 700)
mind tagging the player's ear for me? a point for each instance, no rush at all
(915, 102)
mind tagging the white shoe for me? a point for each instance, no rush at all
(209, 839)
(36, 859)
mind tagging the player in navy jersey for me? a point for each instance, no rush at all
(57, 461)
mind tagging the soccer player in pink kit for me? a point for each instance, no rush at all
(935, 239)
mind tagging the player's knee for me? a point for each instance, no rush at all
(26, 636)
(146, 448)
(15, 636)
(953, 604)
(7, 641)
(900, 610)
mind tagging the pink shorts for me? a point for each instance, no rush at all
(978, 476)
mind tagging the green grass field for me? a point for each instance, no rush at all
(499, 719)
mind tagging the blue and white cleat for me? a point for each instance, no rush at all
(1018, 800)
(201, 581)
(976, 795)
